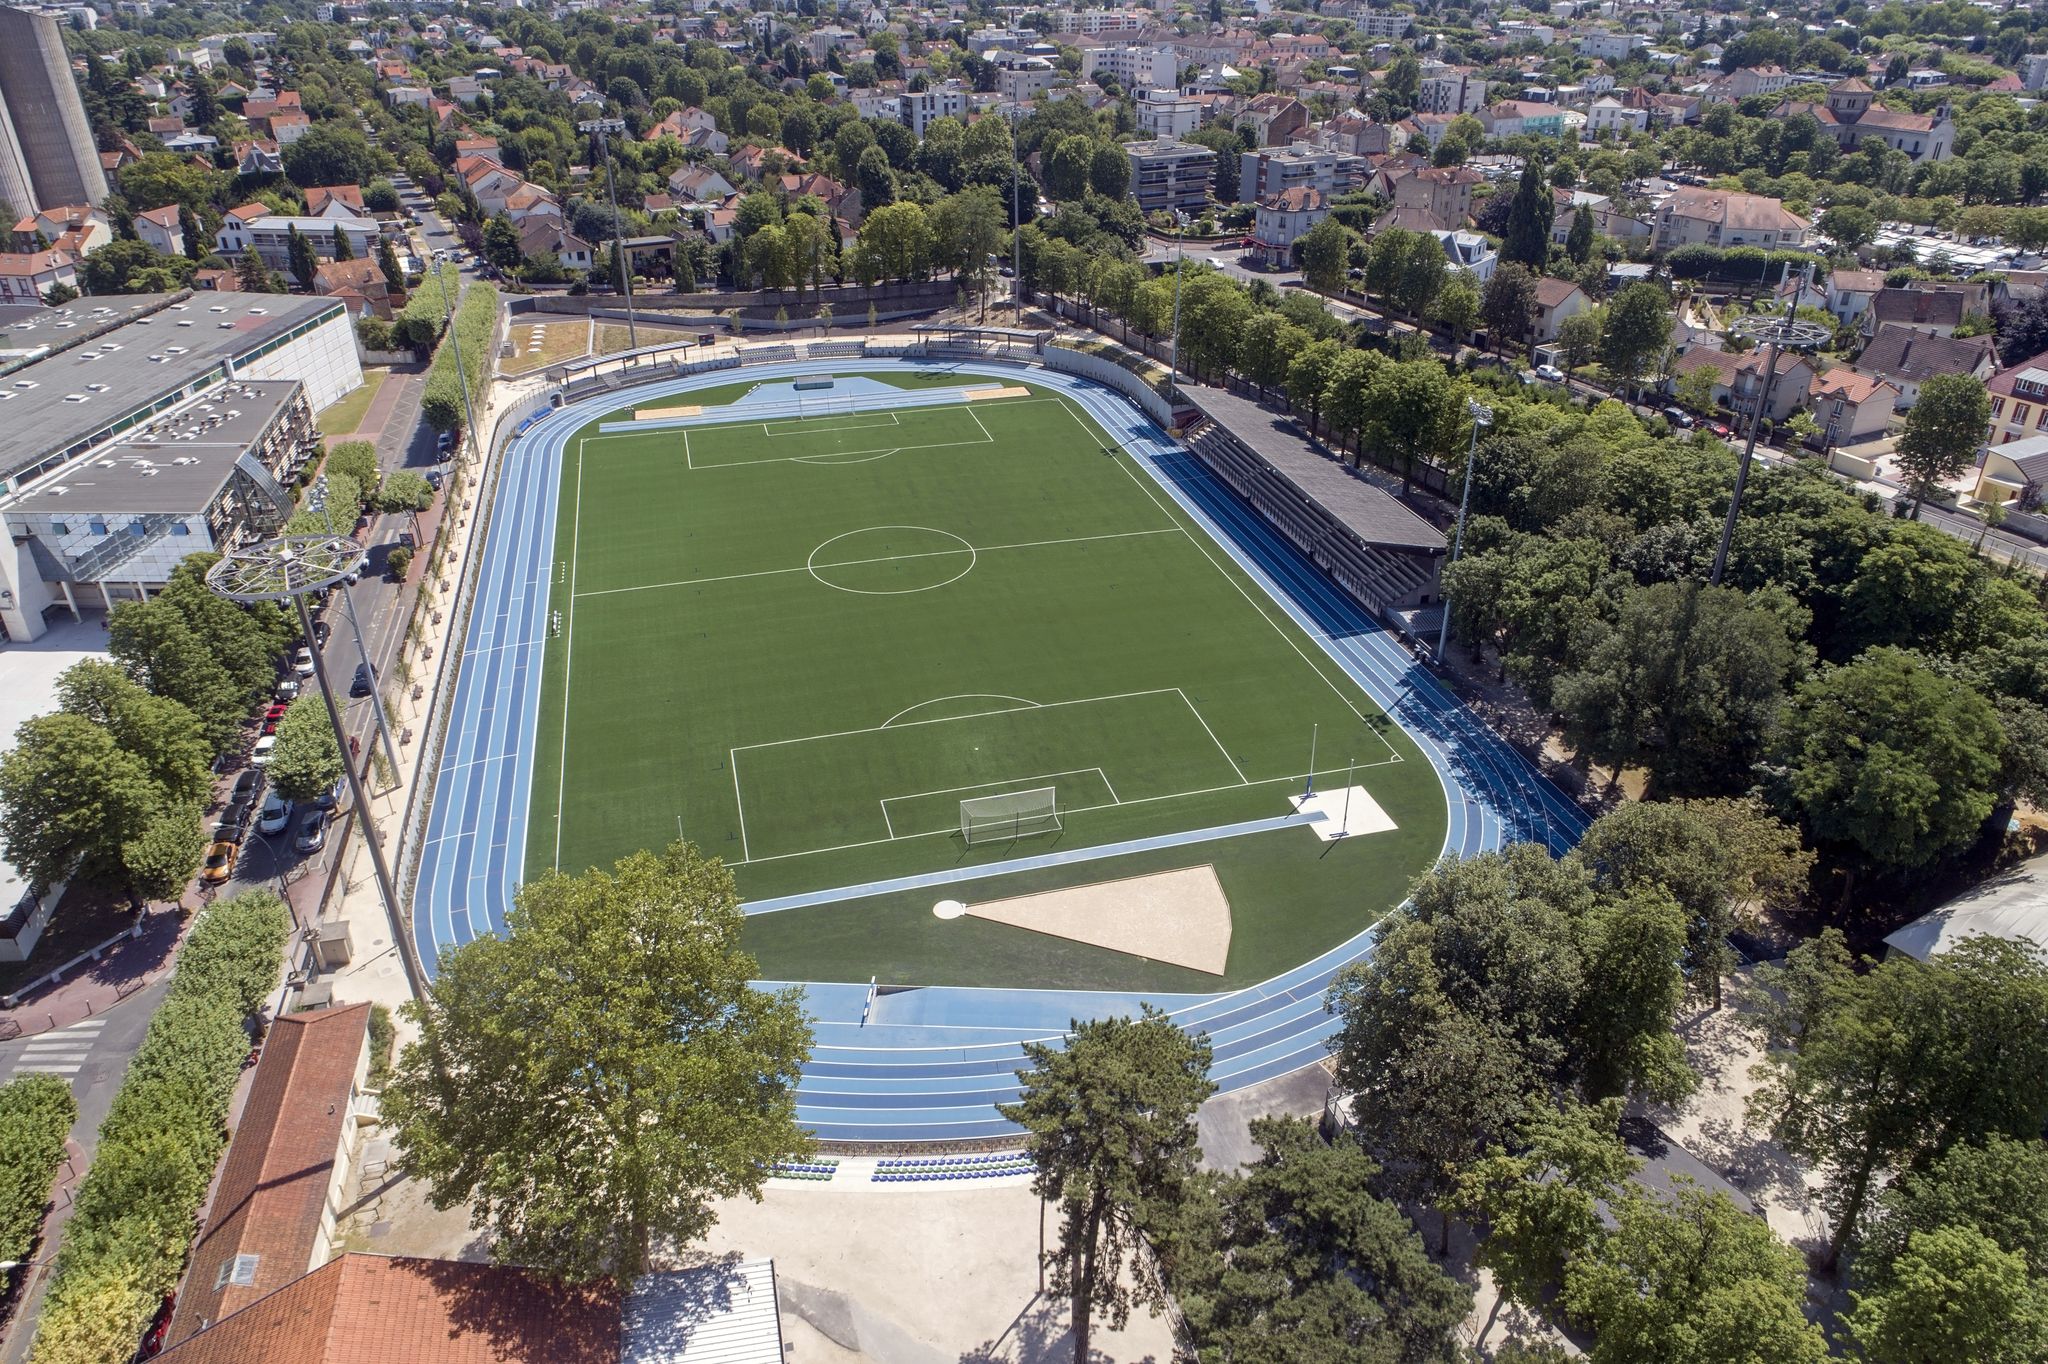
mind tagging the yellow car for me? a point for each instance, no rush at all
(220, 863)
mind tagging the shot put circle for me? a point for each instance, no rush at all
(889, 561)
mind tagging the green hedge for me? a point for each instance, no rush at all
(441, 408)
(344, 505)
(36, 1113)
(132, 1223)
(418, 325)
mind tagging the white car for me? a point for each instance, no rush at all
(288, 690)
(1550, 374)
(276, 816)
(302, 663)
(259, 756)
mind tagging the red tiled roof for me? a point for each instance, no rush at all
(374, 1309)
(274, 1183)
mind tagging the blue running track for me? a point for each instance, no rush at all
(931, 1063)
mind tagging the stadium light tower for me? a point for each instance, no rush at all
(291, 569)
(455, 340)
(316, 499)
(602, 129)
(1777, 333)
(1481, 415)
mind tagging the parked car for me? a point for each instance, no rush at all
(159, 1327)
(331, 798)
(231, 830)
(276, 710)
(246, 785)
(238, 811)
(276, 816)
(288, 689)
(321, 629)
(1721, 429)
(442, 442)
(220, 863)
(1679, 417)
(1550, 374)
(259, 756)
(302, 663)
(312, 831)
(365, 679)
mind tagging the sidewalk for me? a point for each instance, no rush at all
(95, 987)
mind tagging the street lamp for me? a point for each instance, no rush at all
(455, 340)
(1481, 415)
(292, 568)
(603, 128)
(1776, 333)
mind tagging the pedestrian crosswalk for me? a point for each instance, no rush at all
(61, 1052)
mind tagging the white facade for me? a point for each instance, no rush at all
(1451, 92)
(1102, 22)
(1612, 116)
(1162, 113)
(1135, 68)
(1610, 47)
(927, 107)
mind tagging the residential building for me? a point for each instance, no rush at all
(77, 228)
(2019, 402)
(543, 237)
(1713, 217)
(159, 227)
(1939, 311)
(1383, 25)
(26, 276)
(1171, 175)
(1745, 81)
(922, 108)
(47, 155)
(1604, 46)
(336, 201)
(1274, 119)
(1851, 408)
(1428, 199)
(1470, 252)
(1518, 117)
(1105, 23)
(1025, 79)
(1135, 67)
(1165, 114)
(1451, 90)
(271, 235)
(1556, 301)
(286, 1177)
(1354, 133)
(1280, 219)
(698, 184)
(1262, 174)
(115, 371)
(1738, 379)
(359, 284)
(1615, 118)
(1848, 292)
(2014, 472)
(2034, 70)
(1909, 358)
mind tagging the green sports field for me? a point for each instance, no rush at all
(803, 641)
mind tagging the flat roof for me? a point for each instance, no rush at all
(175, 463)
(1371, 513)
(124, 354)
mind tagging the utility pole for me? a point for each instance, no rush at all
(604, 128)
(455, 340)
(1777, 334)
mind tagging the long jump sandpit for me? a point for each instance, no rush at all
(1179, 917)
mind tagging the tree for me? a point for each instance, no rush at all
(1297, 1248)
(1890, 1073)
(156, 646)
(333, 151)
(70, 799)
(1954, 1294)
(388, 266)
(1692, 1281)
(251, 274)
(1456, 305)
(1508, 303)
(1944, 429)
(1109, 172)
(1308, 377)
(1888, 759)
(1526, 241)
(1694, 389)
(1541, 1204)
(164, 736)
(1637, 331)
(405, 490)
(342, 250)
(1110, 1125)
(874, 178)
(1714, 858)
(1578, 243)
(1998, 1188)
(1578, 338)
(592, 1080)
(1849, 227)
(501, 243)
(1686, 682)
(299, 252)
(1414, 413)
(896, 240)
(306, 760)
(1270, 343)
(1324, 252)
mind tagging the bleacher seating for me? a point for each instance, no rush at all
(936, 1168)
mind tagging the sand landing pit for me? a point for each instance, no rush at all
(655, 414)
(1179, 917)
(982, 395)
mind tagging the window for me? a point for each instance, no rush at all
(60, 528)
(241, 1270)
(2020, 413)
(181, 529)
(2041, 422)
(1997, 407)
(96, 526)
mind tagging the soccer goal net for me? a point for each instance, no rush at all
(1014, 814)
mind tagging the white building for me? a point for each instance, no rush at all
(1162, 113)
(925, 107)
(1610, 115)
(1273, 170)
(1135, 68)
(169, 388)
(1280, 220)
(1102, 23)
(1451, 90)
(1610, 47)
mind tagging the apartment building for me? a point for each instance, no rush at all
(1170, 175)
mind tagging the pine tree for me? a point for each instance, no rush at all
(387, 261)
(1527, 239)
(342, 250)
(251, 273)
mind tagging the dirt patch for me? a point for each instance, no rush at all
(1182, 917)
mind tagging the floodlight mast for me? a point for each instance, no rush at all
(1776, 333)
(603, 128)
(292, 568)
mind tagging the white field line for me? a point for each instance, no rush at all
(954, 719)
(1204, 723)
(568, 659)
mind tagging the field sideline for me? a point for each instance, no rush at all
(800, 645)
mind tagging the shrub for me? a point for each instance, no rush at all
(397, 562)
(36, 1113)
(382, 1035)
(442, 406)
(344, 505)
(125, 1245)
(357, 459)
(405, 490)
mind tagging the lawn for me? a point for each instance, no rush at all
(536, 345)
(345, 415)
(612, 337)
(803, 640)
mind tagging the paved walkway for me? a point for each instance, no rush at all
(98, 986)
(378, 414)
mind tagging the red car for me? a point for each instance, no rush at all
(270, 726)
(276, 711)
(159, 1326)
